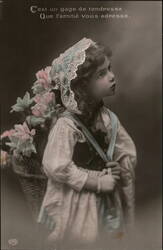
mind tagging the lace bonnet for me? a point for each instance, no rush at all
(64, 68)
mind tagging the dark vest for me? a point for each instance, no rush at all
(86, 156)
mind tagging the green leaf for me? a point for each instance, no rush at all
(11, 144)
(16, 108)
(22, 104)
(37, 89)
(27, 148)
(34, 121)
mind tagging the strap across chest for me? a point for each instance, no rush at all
(108, 156)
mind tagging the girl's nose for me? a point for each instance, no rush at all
(111, 77)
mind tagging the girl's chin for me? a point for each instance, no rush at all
(111, 93)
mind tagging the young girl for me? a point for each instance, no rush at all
(78, 178)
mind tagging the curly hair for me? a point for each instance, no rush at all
(95, 56)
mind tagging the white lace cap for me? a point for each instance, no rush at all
(64, 69)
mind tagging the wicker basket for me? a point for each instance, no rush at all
(33, 186)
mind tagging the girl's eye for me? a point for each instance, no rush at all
(102, 73)
(109, 67)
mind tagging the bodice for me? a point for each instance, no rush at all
(86, 156)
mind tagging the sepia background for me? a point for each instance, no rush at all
(29, 44)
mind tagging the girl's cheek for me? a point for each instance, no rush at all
(96, 89)
(99, 86)
(106, 79)
(102, 84)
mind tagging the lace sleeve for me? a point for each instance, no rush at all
(57, 158)
(125, 153)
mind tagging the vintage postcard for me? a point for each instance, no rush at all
(81, 150)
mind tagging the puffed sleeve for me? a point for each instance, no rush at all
(57, 158)
(125, 153)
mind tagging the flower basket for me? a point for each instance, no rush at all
(33, 186)
(23, 145)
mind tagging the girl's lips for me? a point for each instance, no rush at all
(113, 86)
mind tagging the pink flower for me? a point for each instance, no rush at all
(22, 131)
(39, 110)
(43, 74)
(45, 98)
(7, 133)
(43, 77)
(42, 102)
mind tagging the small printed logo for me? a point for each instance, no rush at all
(12, 242)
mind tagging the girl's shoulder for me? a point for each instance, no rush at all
(66, 124)
(107, 111)
(108, 116)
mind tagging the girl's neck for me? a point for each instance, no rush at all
(90, 109)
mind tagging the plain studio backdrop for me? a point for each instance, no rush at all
(29, 44)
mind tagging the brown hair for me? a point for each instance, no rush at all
(95, 56)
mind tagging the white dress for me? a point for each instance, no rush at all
(66, 205)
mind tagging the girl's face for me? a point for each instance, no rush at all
(102, 83)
